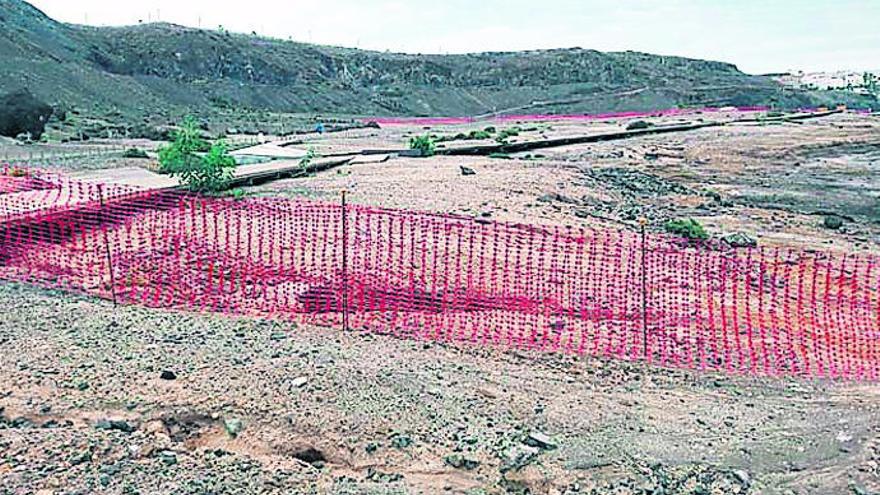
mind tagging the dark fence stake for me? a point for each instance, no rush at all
(107, 246)
(344, 264)
(642, 223)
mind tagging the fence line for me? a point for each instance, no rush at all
(615, 293)
(504, 118)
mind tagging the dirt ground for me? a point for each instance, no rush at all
(271, 407)
(253, 406)
(774, 182)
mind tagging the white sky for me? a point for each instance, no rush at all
(757, 35)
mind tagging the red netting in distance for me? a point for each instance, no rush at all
(762, 311)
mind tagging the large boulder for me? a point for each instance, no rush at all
(22, 113)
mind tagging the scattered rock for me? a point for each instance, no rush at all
(858, 489)
(233, 426)
(549, 198)
(380, 477)
(832, 222)
(638, 125)
(81, 457)
(518, 457)
(844, 437)
(739, 240)
(459, 461)
(112, 424)
(300, 381)
(310, 455)
(540, 440)
(168, 458)
(168, 375)
(487, 393)
(742, 477)
(635, 183)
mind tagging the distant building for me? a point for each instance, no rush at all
(840, 80)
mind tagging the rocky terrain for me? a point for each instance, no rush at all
(131, 400)
(97, 400)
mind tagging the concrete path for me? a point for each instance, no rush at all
(272, 150)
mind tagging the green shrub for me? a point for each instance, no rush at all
(212, 173)
(507, 133)
(306, 160)
(134, 153)
(22, 113)
(237, 193)
(473, 135)
(145, 131)
(479, 135)
(687, 228)
(425, 144)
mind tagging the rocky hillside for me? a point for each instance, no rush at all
(137, 70)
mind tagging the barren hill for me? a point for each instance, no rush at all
(138, 69)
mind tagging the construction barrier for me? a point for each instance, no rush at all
(604, 292)
(670, 112)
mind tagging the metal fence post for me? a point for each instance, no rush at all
(107, 246)
(344, 263)
(642, 223)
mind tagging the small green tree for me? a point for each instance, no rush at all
(210, 172)
(306, 160)
(181, 154)
(213, 173)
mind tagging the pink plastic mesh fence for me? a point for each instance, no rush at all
(763, 311)
(670, 112)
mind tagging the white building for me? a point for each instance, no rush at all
(846, 80)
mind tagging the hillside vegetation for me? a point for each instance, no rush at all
(147, 69)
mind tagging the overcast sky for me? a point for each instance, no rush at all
(757, 35)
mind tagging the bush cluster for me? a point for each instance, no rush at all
(425, 144)
(687, 228)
